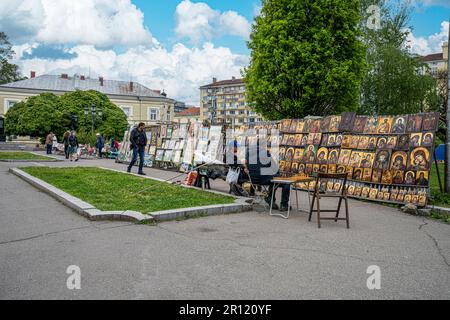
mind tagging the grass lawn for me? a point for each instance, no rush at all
(438, 198)
(113, 191)
(20, 155)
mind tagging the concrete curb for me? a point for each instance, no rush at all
(89, 211)
(441, 210)
(52, 159)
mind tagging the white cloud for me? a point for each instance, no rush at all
(430, 44)
(102, 23)
(198, 21)
(180, 71)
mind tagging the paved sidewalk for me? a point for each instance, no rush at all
(242, 256)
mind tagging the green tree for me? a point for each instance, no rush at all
(396, 81)
(8, 72)
(306, 58)
(39, 115)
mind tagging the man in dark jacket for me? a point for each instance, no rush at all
(100, 144)
(138, 140)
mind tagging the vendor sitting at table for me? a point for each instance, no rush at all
(262, 168)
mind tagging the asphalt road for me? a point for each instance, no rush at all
(240, 256)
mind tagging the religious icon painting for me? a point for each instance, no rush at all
(330, 185)
(355, 158)
(311, 138)
(298, 139)
(322, 156)
(294, 168)
(376, 175)
(410, 177)
(357, 174)
(391, 142)
(331, 168)
(419, 159)
(398, 176)
(399, 160)
(341, 169)
(307, 125)
(346, 140)
(324, 140)
(401, 195)
(282, 153)
(331, 140)
(291, 140)
(298, 155)
(310, 154)
(347, 121)
(315, 126)
(354, 142)
(337, 186)
(325, 124)
(373, 193)
(289, 155)
(380, 194)
(408, 198)
(285, 139)
(399, 124)
(422, 201)
(358, 189)
(363, 142)
(344, 156)
(316, 168)
(386, 195)
(403, 142)
(301, 168)
(430, 121)
(323, 168)
(287, 167)
(394, 193)
(293, 126)
(335, 122)
(382, 142)
(427, 139)
(338, 140)
(300, 125)
(422, 178)
(359, 124)
(414, 123)
(386, 177)
(351, 190)
(384, 125)
(304, 141)
(317, 138)
(285, 125)
(382, 159)
(371, 125)
(365, 192)
(282, 166)
(367, 174)
(372, 143)
(415, 139)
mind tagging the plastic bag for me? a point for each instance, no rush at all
(233, 175)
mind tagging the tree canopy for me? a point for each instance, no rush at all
(8, 72)
(39, 115)
(306, 58)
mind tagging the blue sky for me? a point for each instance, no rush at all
(175, 45)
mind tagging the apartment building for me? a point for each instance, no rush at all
(224, 102)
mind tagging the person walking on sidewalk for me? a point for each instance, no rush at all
(138, 140)
(66, 143)
(49, 143)
(73, 146)
(100, 144)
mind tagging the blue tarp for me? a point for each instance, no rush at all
(440, 152)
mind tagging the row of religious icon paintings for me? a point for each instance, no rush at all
(350, 122)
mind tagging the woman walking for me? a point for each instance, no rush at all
(73, 146)
(66, 143)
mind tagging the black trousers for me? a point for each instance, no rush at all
(285, 194)
(49, 148)
(66, 151)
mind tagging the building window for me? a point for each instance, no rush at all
(153, 114)
(9, 104)
(128, 111)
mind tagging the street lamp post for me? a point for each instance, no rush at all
(93, 112)
(73, 122)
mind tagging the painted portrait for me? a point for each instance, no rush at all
(394, 193)
(333, 156)
(367, 160)
(307, 125)
(298, 155)
(300, 125)
(335, 122)
(294, 168)
(359, 124)
(422, 200)
(338, 140)
(344, 157)
(293, 126)
(347, 121)
(386, 195)
(373, 193)
(410, 177)
(386, 177)
(316, 168)
(287, 167)
(322, 155)
(354, 142)
(330, 185)
(282, 153)
(371, 125)
(382, 159)
(317, 138)
(398, 177)
(282, 166)
(289, 155)
(427, 139)
(337, 186)
(301, 168)
(391, 142)
(285, 139)
(324, 141)
(415, 140)
(315, 126)
(401, 195)
(351, 190)
(422, 178)
(399, 125)
(349, 172)
(419, 159)
(380, 195)
(331, 140)
(323, 168)
(331, 168)
(372, 143)
(384, 125)
(310, 154)
(358, 190)
(399, 160)
(414, 123)
(285, 125)
(304, 141)
(382, 142)
(341, 169)
(430, 121)
(363, 142)
(357, 174)
(367, 174)
(355, 158)
(325, 124)
(403, 142)
(310, 138)
(346, 140)
(309, 169)
(298, 139)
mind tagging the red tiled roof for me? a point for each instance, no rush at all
(223, 83)
(433, 57)
(189, 112)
